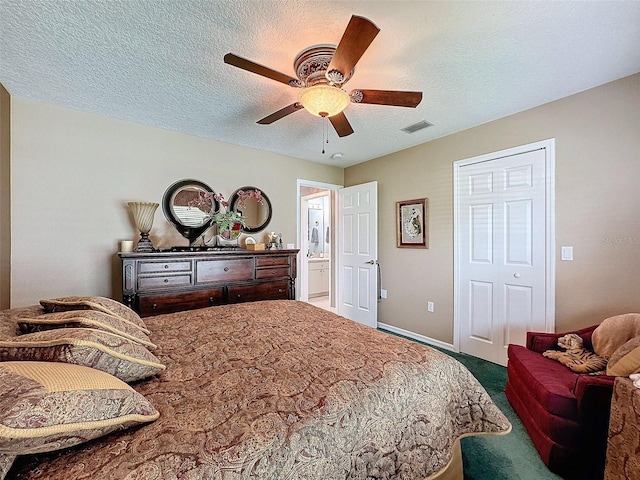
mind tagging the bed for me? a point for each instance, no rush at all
(283, 390)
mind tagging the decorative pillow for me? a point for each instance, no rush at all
(111, 353)
(576, 358)
(625, 360)
(5, 464)
(102, 304)
(8, 328)
(89, 319)
(47, 406)
(9, 320)
(614, 332)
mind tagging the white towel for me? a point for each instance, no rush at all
(635, 378)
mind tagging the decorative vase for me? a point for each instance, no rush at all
(229, 237)
(143, 213)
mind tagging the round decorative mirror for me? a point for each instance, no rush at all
(253, 205)
(189, 205)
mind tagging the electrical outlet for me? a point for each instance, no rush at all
(430, 306)
(383, 293)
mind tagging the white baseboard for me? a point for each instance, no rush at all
(418, 337)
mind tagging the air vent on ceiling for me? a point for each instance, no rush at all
(417, 126)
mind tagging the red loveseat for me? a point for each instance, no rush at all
(566, 414)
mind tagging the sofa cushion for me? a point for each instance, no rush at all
(547, 381)
(557, 457)
(626, 359)
(615, 331)
(541, 341)
(560, 430)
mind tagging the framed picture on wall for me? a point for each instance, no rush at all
(412, 223)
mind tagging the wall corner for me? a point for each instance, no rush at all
(5, 198)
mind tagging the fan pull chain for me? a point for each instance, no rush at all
(325, 132)
(326, 124)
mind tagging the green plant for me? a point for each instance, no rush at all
(227, 219)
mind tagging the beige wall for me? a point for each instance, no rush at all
(72, 174)
(597, 211)
(5, 198)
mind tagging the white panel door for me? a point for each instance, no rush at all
(501, 253)
(358, 253)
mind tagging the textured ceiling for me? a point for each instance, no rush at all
(160, 63)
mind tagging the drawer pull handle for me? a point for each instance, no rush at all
(166, 266)
(166, 280)
(226, 269)
(154, 306)
(280, 290)
(210, 299)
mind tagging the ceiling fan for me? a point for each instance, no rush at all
(322, 70)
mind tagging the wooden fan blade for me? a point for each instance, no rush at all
(283, 112)
(341, 124)
(356, 39)
(387, 97)
(253, 67)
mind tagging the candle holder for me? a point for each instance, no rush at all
(143, 213)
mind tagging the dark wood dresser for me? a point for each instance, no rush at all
(165, 282)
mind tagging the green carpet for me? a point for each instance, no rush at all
(493, 457)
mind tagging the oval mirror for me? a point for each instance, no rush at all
(254, 207)
(189, 206)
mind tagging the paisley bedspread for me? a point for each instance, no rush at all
(284, 390)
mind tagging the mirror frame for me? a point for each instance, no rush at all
(235, 198)
(189, 232)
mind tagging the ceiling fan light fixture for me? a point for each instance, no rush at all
(324, 100)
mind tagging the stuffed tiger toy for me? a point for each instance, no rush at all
(576, 357)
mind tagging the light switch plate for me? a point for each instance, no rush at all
(567, 253)
(383, 293)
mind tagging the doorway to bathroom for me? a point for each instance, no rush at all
(316, 233)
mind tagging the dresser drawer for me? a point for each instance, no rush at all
(170, 281)
(174, 302)
(275, 272)
(224, 270)
(152, 267)
(163, 281)
(261, 291)
(268, 261)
